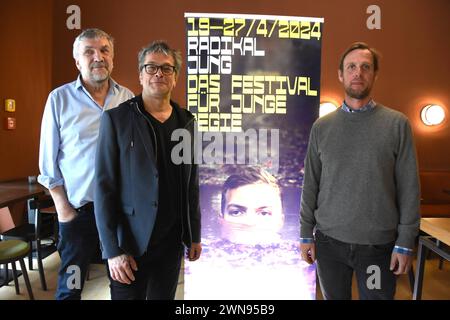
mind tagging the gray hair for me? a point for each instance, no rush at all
(92, 33)
(160, 46)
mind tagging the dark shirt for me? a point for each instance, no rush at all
(168, 219)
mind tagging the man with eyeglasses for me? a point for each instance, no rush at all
(361, 189)
(147, 206)
(67, 151)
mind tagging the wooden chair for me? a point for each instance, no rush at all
(12, 251)
(44, 226)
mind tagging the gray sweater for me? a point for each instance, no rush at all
(361, 183)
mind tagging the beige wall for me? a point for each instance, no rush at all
(36, 56)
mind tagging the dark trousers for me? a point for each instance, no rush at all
(78, 244)
(336, 262)
(156, 277)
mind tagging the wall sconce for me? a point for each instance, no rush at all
(326, 108)
(432, 115)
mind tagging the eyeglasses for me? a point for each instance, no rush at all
(166, 69)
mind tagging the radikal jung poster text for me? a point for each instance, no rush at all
(253, 85)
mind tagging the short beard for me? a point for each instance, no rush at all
(99, 77)
(359, 95)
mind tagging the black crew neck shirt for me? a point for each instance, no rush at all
(168, 219)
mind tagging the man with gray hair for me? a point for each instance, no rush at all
(68, 143)
(147, 206)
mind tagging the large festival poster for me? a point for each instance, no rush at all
(253, 85)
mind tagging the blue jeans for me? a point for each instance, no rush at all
(78, 244)
(336, 262)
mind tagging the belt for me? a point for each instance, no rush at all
(87, 207)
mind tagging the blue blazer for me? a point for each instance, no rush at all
(126, 186)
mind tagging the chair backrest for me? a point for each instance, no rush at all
(44, 222)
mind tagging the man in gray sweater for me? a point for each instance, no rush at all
(361, 189)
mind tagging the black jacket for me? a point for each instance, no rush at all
(126, 187)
